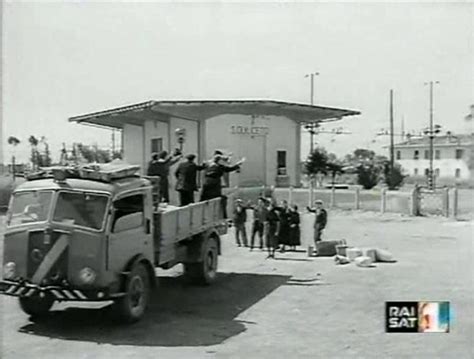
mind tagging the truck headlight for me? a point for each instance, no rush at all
(9, 270)
(87, 275)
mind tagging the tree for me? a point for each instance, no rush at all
(317, 162)
(13, 141)
(34, 151)
(334, 168)
(368, 175)
(367, 165)
(395, 179)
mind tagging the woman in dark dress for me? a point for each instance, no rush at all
(294, 223)
(284, 233)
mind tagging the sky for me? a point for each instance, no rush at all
(62, 59)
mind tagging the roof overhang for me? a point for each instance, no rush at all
(198, 110)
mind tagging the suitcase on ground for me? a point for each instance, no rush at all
(327, 248)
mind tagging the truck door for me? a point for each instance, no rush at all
(130, 230)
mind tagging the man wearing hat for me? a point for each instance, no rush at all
(212, 187)
(186, 179)
(160, 166)
(320, 219)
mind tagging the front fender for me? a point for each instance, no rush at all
(140, 258)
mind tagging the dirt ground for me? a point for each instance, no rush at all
(291, 307)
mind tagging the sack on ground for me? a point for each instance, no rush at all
(353, 253)
(382, 255)
(341, 250)
(364, 261)
(327, 248)
(341, 259)
(372, 253)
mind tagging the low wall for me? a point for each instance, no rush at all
(414, 202)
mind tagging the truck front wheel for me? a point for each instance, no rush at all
(205, 271)
(133, 304)
(36, 307)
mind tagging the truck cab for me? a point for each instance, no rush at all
(96, 235)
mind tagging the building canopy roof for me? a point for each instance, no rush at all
(203, 109)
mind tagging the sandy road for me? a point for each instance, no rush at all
(290, 307)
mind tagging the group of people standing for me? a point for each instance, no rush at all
(277, 226)
(186, 175)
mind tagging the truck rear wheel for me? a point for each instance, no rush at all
(36, 307)
(205, 271)
(131, 307)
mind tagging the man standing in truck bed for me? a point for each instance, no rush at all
(212, 187)
(160, 166)
(186, 179)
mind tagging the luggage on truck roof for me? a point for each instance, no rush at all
(107, 172)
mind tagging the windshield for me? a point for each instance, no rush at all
(80, 209)
(28, 207)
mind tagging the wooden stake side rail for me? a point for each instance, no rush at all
(174, 224)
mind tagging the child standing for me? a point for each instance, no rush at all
(240, 218)
(320, 220)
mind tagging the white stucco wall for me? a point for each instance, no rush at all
(258, 138)
(132, 138)
(447, 164)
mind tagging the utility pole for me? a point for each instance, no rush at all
(311, 127)
(392, 155)
(431, 133)
(113, 142)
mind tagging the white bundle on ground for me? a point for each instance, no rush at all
(364, 261)
(341, 259)
(382, 255)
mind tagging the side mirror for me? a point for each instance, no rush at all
(128, 221)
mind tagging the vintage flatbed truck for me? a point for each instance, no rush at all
(96, 235)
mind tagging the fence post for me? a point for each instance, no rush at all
(357, 198)
(290, 195)
(414, 202)
(446, 202)
(455, 203)
(333, 197)
(383, 203)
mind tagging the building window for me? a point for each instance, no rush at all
(281, 163)
(156, 145)
(437, 154)
(416, 155)
(458, 172)
(415, 172)
(427, 171)
(459, 154)
(399, 155)
(437, 172)
(427, 154)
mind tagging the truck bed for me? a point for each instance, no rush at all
(173, 224)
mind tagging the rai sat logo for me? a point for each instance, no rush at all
(417, 317)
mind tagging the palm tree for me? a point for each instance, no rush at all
(34, 150)
(13, 141)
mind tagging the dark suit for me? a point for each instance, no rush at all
(186, 181)
(212, 187)
(161, 168)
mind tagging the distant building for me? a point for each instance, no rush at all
(266, 132)
(452, 158)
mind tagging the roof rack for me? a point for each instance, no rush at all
(97, 172)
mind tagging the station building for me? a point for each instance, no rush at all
(266, 132)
